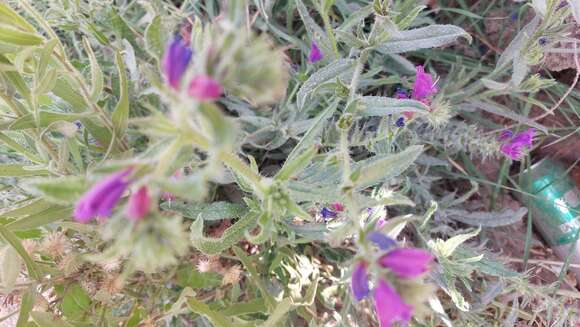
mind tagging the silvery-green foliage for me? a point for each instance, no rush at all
(235, 233)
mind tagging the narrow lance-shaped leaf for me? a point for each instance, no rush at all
(213, 246)
(15, 170)
(121, 113)
(10, 17)
(330, 72)
(294, 166)
(97, 79)
(15, 36)
(46, 118)
(314, 130)
(12, 240)
(422, 38)
(487, 219)
(26, 306)
(383, 106)
(375, 170)
(154, 40)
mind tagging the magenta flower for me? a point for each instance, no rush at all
(514, 145)
(315, 53)
(424, 85)
(175, 61)
(360, 281)
(100, 200)
(407, 262)
(390, 307)
(337, 206)
(204, 88)
(139, 204)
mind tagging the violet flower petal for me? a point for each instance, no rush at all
(327, 213)
(102, 197)
(315, 53)
(381, 240)
(175, 61)
(360, 281)
(407, 262)
(390, 306)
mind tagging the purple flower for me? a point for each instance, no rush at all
(424, 85)
(315, 53)
(139, 204)
(100, 200)
(390, 307)
(401, 94)
(514, 145)
(381, 240)
(400, 122)
(327, 213)
(175, 61)
(204, 88)
(407, 262)
(505, 135)
(360, 281)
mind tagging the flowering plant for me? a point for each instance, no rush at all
(209, 164)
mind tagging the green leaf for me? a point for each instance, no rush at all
(121, 113)
(216, 318)
(63, 190)
(275, 318)
(45, 57)
(39, 219)
(15, 170)
(45, 319)
(446, 248)
(314, 131)
(19, 148)
(25, 208)
(188, 276)
(12, 35)
(8, 236)
(46, 118)
(338, 68)
(244, 308)
(487, 219)
(383, 106)
(497, 109)
(75, 302)
(231, 236)
(255, 277)
(381, 168)
(208, 211)
(296, 165)
(26, 306)
(97, 79)
(422, 38)
(10, 17)
(9, 268)
(154, 38)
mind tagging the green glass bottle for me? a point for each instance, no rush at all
(555, 207)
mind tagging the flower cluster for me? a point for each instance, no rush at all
(404, 263)
(513, 145)
(175, 62)
(104, 196)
